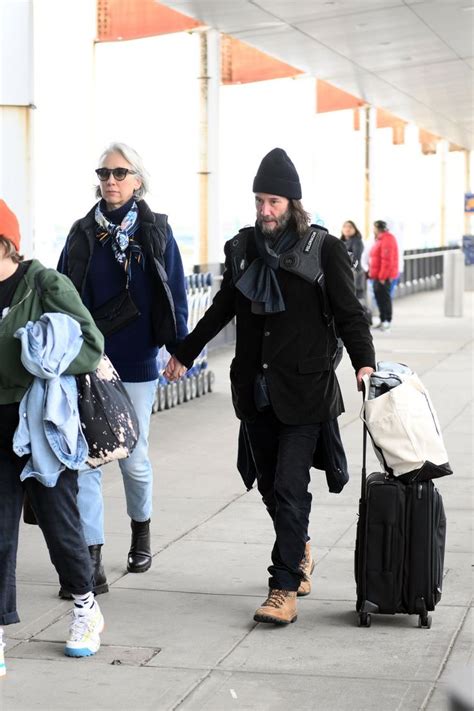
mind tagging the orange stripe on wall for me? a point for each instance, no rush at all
(331, 98)
(387, 120)
(428, 141)
(132, 19)
(242, 63)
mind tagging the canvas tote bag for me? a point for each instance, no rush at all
(405, 431)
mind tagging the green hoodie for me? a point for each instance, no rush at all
(57, 295)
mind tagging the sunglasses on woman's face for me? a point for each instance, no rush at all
(118, 173)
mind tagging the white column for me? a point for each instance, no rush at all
(16, 108)
(442, 151)
(64, 121)
(468, 217)
(210, 243)
(368, 121)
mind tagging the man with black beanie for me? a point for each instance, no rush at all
(284, 388)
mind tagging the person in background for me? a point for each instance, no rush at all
(354, 244)
(54, 506)
(126, 265)
(383, 269)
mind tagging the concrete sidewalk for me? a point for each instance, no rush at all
(182, 635)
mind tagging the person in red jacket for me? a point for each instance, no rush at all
(383, 269)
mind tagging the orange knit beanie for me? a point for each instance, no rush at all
(9, 226)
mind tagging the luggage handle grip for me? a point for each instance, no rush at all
(365, 388)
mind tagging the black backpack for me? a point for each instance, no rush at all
(303, 260)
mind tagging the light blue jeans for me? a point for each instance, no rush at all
(136, 470)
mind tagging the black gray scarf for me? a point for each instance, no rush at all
(259, 282)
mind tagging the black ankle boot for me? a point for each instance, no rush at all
(139, 556)
(100, 581)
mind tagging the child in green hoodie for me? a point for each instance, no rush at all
(55, 508)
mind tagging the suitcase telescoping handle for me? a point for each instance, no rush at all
(365, 385)
(364, 463)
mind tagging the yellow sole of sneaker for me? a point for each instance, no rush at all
(267, 619)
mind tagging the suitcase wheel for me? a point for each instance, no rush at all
(424, 621)
(365, 619)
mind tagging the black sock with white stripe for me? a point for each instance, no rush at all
(85, 602)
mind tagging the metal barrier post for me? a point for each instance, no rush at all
(453, 283)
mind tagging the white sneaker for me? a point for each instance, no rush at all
(84, 632)
(385, 326)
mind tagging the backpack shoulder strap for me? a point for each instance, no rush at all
(304, 260)
(236, 251)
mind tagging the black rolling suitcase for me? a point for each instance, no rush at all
(400, 542)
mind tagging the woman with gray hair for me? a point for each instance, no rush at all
(125, 263)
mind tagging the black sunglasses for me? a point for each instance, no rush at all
(118, 173)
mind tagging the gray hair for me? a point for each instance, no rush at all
(132, 157)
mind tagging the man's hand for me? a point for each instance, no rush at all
(174, 370)
(360, 375)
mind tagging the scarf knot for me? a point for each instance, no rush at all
(124, 245)
(259, 282)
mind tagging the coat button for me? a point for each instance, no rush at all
(267, 333)
(265, 365)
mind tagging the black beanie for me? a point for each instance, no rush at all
(277, 175)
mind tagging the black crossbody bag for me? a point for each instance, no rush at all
(116, 313)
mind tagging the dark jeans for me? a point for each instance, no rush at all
(283, 456)
(57, 515)
(383, 299)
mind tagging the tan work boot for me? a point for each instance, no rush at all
(279, 608)
(306, 566)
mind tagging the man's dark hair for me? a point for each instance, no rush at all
(380, 225)
(300, 217)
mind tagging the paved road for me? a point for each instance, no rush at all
(182, 635)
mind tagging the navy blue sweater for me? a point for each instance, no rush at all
(132, 349)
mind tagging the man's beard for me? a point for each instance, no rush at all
(275, 228)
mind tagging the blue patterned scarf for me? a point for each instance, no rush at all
(124, 245)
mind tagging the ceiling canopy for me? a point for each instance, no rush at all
(412, 58)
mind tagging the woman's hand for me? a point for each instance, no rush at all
(174, 370)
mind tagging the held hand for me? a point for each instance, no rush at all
(360, 375)
(174, 370)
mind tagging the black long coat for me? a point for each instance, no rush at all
(293, 348)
